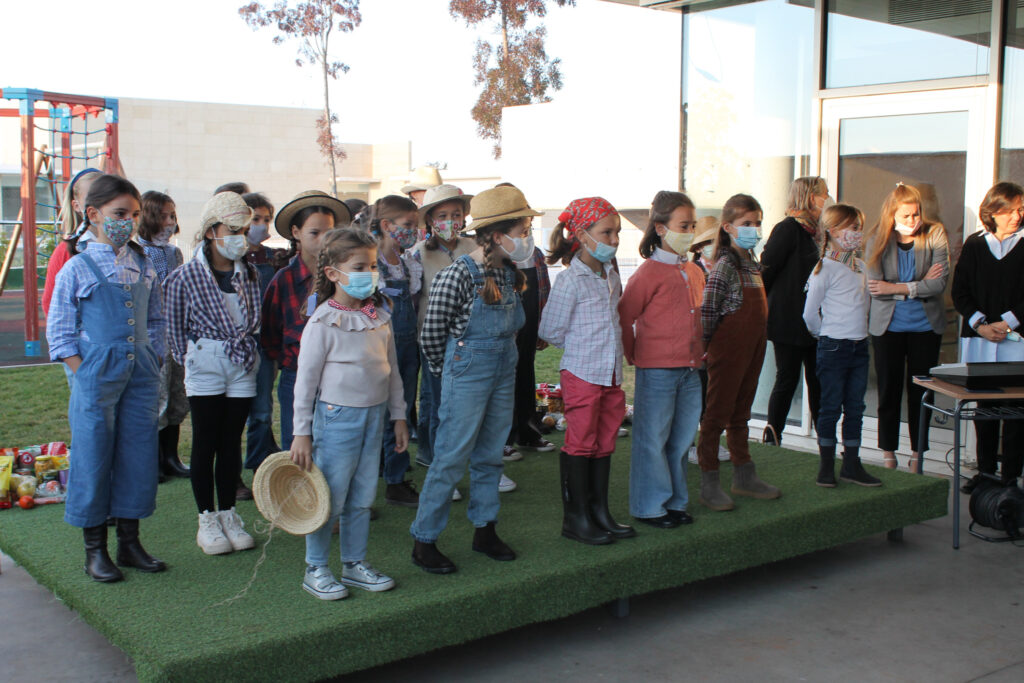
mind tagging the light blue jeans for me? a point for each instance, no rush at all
(666, 413)
(346, 448)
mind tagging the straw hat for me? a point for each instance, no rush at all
(227, 208)
(290, 497)
(303, 200)
(423, 178)
(435, 196)
(707, 230)
(499, 204)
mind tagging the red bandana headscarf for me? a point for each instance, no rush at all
(582, 213)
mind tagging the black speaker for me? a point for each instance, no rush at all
(997, 506)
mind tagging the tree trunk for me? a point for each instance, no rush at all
(330, 132)
(504, 34)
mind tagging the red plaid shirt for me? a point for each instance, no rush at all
(283, 305)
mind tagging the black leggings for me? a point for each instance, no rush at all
(217, 423)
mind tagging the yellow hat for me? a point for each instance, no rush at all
(498, 204)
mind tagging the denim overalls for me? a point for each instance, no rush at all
(403, 326)
(114, 407)
(477, 392)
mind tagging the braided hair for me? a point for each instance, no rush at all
(495, 261)
(337, 247)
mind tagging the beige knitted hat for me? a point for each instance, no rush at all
(227, 208)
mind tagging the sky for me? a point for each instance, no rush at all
(410, 62)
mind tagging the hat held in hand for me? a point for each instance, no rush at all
(290, 497)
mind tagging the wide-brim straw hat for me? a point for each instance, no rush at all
(435, 196)
(499, 204)
(423, 178)
(708, 230)
(227, 208)
(303, 200)
(290, 497)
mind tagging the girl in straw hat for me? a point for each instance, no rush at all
(106, 325)
(468, 339)
(348, 383)
(213, 315)
(286, 304)
(581, 317)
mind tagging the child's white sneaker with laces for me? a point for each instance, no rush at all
(234, 529)
(320, 582)
(210, 536)
(362, 575)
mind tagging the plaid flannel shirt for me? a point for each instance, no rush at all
(76, 281)
(448, 309)
(723, 293)
(283, 304)
(196, 310)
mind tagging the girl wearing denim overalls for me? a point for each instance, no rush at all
(393, 221)
(468, 338)
(106, 324)
(836, 313)
(346, 386)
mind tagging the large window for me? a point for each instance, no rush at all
(1011, 158)
(893, 41)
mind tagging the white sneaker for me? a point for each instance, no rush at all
(456, 496)
(234, 529)
(693, 455)
(362, 575)
(210, 536)
(723, 453)
(506, 485)
(623, 431)
(320, 582)
(510, 454)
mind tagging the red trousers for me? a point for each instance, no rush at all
(735, 357)
(593, 415)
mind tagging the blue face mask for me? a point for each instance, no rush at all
(601, 252)
(360, 285)
(747, 236)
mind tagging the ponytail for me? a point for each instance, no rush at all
(560, 249)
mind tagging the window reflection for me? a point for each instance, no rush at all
(1011, 161)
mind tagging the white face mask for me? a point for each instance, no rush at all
(907, 230)
(163, 238)
(232, 247)
(258, 234)
(522, 249)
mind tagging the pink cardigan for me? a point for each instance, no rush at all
(665, 306)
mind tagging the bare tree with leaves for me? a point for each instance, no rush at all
(312, 22)
(516, 70)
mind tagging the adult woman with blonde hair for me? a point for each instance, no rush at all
(907, 259)
(988, 291)
(789, 255)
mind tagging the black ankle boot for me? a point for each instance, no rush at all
(577, 524)
(853, 471)
(827, 468)
(98, 564)
(130, 552)
(600, 469)
(170, 464)
(486, 541)
(430, 559)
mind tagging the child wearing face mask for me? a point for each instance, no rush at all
(347, 390)
(836, 313)
(702, 251)
(159, 223)
(734, 316)
(74, 229)
(443, 214)
(213, 315)
(260, 441)
(582, 318)
(107, 326)
(659, 314)
(394, 221)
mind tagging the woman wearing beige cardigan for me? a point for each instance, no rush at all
(908, 268)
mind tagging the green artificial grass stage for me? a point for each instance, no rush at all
(169, 625)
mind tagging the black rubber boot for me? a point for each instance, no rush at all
(430, 559)
(827, 468)
(170, 464)
(130, 552)
(98, 564)
(853, 471)
(486, 541)
(577, 523)
(600, 469)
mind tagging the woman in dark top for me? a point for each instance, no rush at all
(789, 255)
(988, 292)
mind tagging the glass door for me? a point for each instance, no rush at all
(935, 141)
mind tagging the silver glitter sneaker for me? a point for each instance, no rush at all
(320, 582)
(362, 575)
